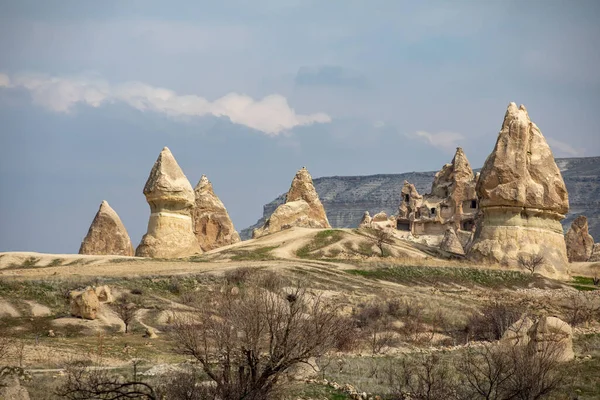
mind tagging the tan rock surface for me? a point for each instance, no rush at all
(451, 243)
(212, 226)
(84, 303)
(595, 253)
(550, 332)
(11, 389)
(579, 242)
(365, 222)
(522, 199)
(302, 208)
(107, 235)
(170, 196)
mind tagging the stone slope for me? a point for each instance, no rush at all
(346, 198)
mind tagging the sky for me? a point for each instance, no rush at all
(248, 92)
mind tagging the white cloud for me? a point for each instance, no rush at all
(4, 80)
(562, 148)
(271, 115)
(447, 141)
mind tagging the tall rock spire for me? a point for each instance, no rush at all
(212, 226)
(107, 235)
(522, 198)
(171, 197)
(302, 208)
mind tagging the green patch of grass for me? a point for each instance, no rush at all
(258, 254)
(583, 280)
(321, 240)
(584, 288)
(449, 275)
(49, 293)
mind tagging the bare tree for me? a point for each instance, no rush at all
(421, 377)
(244, 342)
(382, 237)
(531, 262)
(126, 310)
(84, 382)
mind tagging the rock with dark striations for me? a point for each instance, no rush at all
(170, 196)
(302, 208)
(451, 243)
(522, 199)
(107, 235)
(579, 241)
(365, 222)
(552, 335)
(595, 253)
(212, 226)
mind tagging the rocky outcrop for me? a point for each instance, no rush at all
(365, 222)
(451, 243)
(522, 199)
(451, 202)
(212, 226)
(550, 334)
(171, 197)
(107, 235)
(595, 253)
(302, 208)
(579, 241)
(104, 294)
(84, 303)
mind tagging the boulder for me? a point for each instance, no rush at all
(170, 197)
(579, 242)
(11, 389)
(451, 243)
(150, 333)
(107, 235)
(595, 257)
(522, 199)
(518, 333)
(380, 217)
(550, 334)
(303, 370)
(302, 208)
(212, 226)
(84, 303)
(104, 294)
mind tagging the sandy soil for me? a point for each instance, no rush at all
(7, 309)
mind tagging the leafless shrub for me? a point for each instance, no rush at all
(245, 342)
(583, 308)
(530, 262)
(492, 321)
(184, 386)
(126, 309)
(501, 371)
(382, 237)
(83, 382)
(238, 276)
(421, 377)
(596, 280)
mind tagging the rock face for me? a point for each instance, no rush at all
(451, 202)
(302, 208)
(212, 226)
(595, 253)
(171, 197)
(84, 303)
(107, 235)
(550, 335)
(104, 294)
(578, 240)
(365, 222)
(522, 198)
(451, 243)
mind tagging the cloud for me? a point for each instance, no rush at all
(271, 114)
(446, 141)
(562, 148)
(4, 80)
(329, 75)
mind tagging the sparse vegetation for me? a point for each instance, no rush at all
(258, 254)
(321, 240)
(531, 262)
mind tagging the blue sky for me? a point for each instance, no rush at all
(247, 92)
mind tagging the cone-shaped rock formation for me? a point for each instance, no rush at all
(522, 198)
(212, 226)
(302, 208)
(171, 197)
(451, 243)
(107, 235)
(579, 241)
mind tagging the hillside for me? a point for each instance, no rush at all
(347, 197)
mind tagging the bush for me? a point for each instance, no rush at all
(492, 321)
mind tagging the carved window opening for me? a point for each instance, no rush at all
(406, 198)
(432, 211)
(473, 203)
